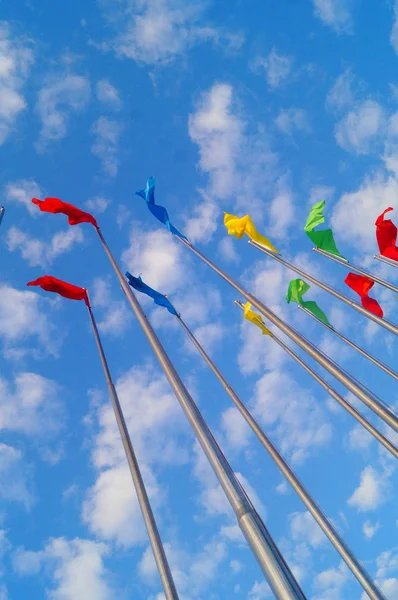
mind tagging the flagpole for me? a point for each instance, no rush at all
(2, 211)
(383, 322)
(353, 563)
(349, 266)
(382, 411)
(386, 260)
(271, 561)
(374, 360)
(153, 532)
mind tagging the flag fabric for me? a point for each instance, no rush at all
(255, 318)
(386, 235)
(148, 194)
(67, 290)
(238, 226)
(323, 238)
(362, 285)
(160, 299)
(297, 288)
(74, 214)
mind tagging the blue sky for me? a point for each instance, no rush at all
(256, 107)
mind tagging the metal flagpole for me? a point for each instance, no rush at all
(382, 411)
(386, 260)
(2, 211)
(153, 533)
(353, 563)
(348, 265)
(374, 360)
(332, 392)
(383, 322)
(272, 563)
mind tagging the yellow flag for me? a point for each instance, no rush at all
(237, 226)
(253, 317)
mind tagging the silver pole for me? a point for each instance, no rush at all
(353, 563)
(2, 211)
(383, 322)
(351, 267)
(153, 533)
(386, 260)
(374, 360)
(383, 412)
(271, 561)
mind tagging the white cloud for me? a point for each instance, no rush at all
(281, 212)
(277, 67)
(331, 582)
(362, 207)
(283, 488)
(39, 253)
(361, 128)
(14, 484)
(260, 591)
(97, 204)
(359, 438)
(57, 99)
(157, 31)
(369, 529)
(320, 192)
(394, 31)
(210, 336)
(341, 94)
(227, 249)
(201, 226)
(16, 59)
(371, 492)
(303, 527)
(106, 132)
(76, 566)
(31, 406)
(235, 428)
(335, 14)
(22, 191)
(116, 316)
(107, 94)
(236, 566)
(292, 119)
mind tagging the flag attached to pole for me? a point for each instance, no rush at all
(323, 238)
(74, 214)
(67, 290)
(362, 285)
(386, 235)
(238, 226)
(148, 194)
(160, 299)
(297, 288)
(255, 318)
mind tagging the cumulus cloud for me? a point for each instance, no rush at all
(115, 316)
(98, 204)
(14, 479)
(341, 95)
(108, 95)
(371, 492)
(394, 31)
(21, 192)
(370, 529)
(277, 67)
(361, 128)
(106, 134)
(61, 96)
(16, 59)
(304, 528)
(335, 14)
(292, 119)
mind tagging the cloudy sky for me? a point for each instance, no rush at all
(259, 107)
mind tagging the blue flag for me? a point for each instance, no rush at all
(148, 194)
(140, 286)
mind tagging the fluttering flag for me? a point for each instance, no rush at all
(362, 286)
(297, 288)
(74, 214)
(160, 299)
(148, 194)
(386, 235)
(323, 238)
(238, 226)
(255, 318)
(67, 290)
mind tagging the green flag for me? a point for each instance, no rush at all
(297, 288)
(322, 239)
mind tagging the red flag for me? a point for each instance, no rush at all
(55, 205)
(386, 235)
(362, 285)
(67, 290)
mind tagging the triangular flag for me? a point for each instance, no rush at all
(362, 285)
(386, 235)
(297, 288)
(74, 214)
(255, 318)
(148, 194)
(323, 238)
(160, 299)
(67, 290)
(238, 226)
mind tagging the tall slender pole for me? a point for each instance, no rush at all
(153, 533)
(382, 411)
(386, 260)
(383, 322)
(2, 211)
(347, 555)
(374, 360)
(348, 265)
(271, 561)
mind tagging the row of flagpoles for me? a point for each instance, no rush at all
(271, 561)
